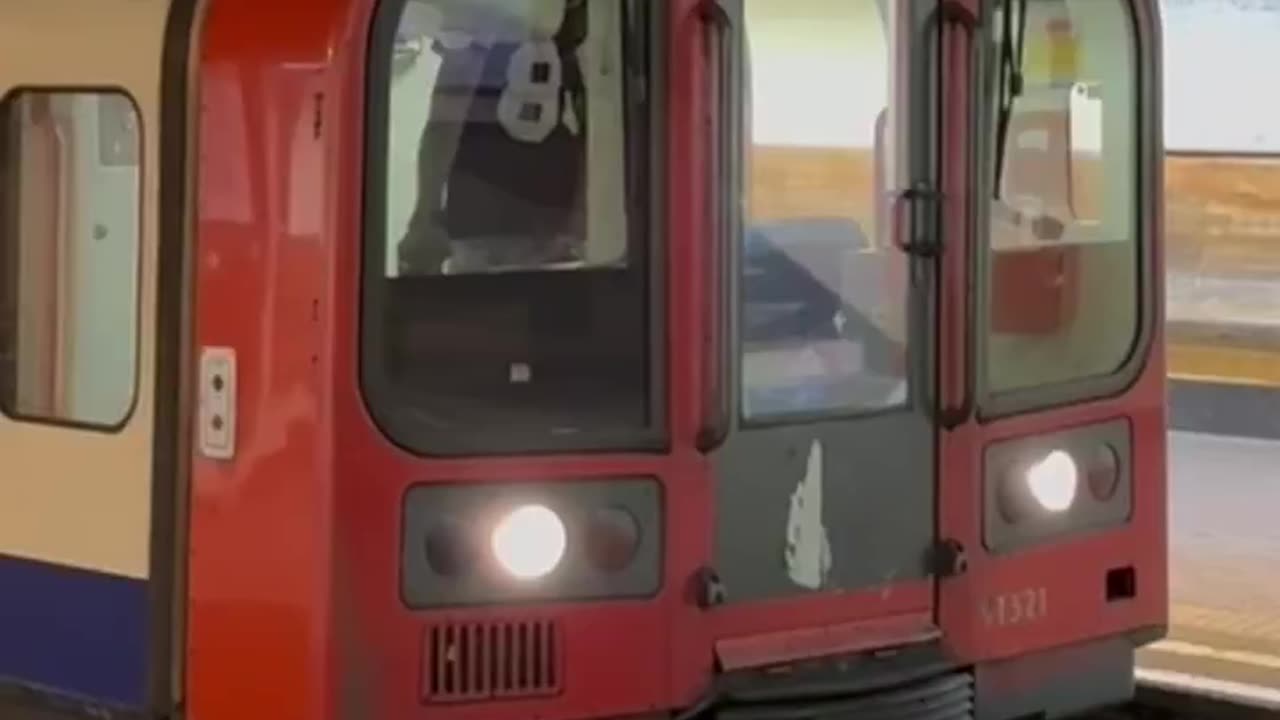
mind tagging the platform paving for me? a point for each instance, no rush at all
(1224, 564)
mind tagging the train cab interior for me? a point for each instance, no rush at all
(468, 180)
(818, 317)
(1064, 213)
(1062, 219)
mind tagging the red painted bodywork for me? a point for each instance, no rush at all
(294, 608)
(261, 528)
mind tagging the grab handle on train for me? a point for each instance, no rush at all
(917, 237)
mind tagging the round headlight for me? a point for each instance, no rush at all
(1053, 481)
(529, 542)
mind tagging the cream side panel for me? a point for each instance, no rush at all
(83, 498)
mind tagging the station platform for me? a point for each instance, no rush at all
(1224, 566)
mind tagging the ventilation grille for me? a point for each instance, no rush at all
(467, 662)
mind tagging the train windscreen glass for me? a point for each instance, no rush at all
(824, 308)
(1063, 237)
(508, 278)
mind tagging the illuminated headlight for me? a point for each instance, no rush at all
(1044, 484)
(469, 544)
(1053, 481)
(1049, 486)
(529, 542)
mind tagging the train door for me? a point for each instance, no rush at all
(826, 478)
(87, 396)
(1057, 480)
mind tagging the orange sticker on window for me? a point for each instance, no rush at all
(1052, 52)
(1063, 50)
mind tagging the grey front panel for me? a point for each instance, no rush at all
(821, 507)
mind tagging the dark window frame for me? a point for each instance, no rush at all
(9, 214)
(1146, 149)
(646, 243)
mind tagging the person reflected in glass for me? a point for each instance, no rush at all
(502, 159)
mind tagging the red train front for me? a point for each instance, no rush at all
(623, 404)
(623, 359)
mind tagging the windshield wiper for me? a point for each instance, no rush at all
(1010, 78)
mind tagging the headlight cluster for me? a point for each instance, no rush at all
(1046, 486)
(1047, 483)
(483, 543)
(529, 542)
(1050, 483)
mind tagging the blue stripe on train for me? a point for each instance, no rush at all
(73, 631)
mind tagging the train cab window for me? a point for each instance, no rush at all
(1062, 291)
(824, 301)
(70, 193)
(508, 283)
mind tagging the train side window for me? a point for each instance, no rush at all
(824, 305)
(1062, 291)
(70, 192)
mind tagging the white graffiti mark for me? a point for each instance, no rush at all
(808, 551)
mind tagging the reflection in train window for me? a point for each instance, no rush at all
(508, 280)
(514, 116)
(1063, 249)
(69, 243)
(823, 301)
